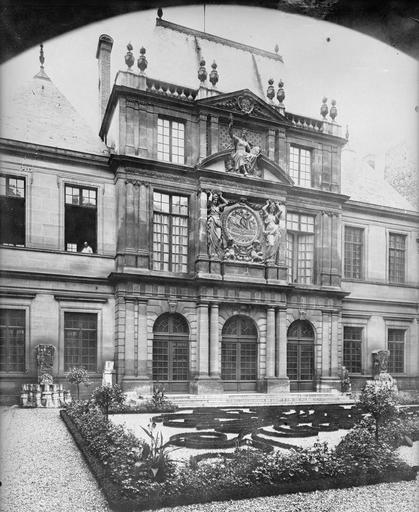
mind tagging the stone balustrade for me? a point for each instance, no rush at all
(166, 89)
(316, 125)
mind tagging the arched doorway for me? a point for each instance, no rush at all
(239, 354)
(300, 356)
(171, 352)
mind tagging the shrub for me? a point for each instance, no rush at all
(360, 451)
(106, 397)
(380, 400)
(78, 375)
(158, 401)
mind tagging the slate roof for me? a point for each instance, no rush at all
(174, 51)
(365, 184)
(40, 114)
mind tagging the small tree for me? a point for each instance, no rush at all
(380, 400)
(78, 375)
(106, 397)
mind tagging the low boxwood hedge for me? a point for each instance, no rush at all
(121, 464)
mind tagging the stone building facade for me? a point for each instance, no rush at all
(205, 242)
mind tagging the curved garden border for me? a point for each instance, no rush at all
(119, 502)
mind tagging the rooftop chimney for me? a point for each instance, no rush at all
(103, 55)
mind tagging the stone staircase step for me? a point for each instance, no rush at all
(258, 399)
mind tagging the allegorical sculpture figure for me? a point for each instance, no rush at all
(271, 214)
(245, 154)
(216, 204)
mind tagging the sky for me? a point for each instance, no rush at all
(375, 85)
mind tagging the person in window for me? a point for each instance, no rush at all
(87, 249)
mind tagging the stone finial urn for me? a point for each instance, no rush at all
(324, 109)
(129, 57)
(142, 61)
(202, 72)
(333, 110)
(214, 74)
(280, 95)
(270, 92)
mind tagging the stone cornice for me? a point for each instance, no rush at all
(375, 209)
(52, 276)
(52, 153)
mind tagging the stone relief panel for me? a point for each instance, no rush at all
(241, 231)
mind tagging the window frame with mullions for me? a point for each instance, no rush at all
(92, 237)
(13, 227)
(352, 250)
(296, 173)
(396, 275)
(295, 238)
(91, 367)
(20, 366)
(158, 263)
(174, 158)
(359, 342)
(393, 367)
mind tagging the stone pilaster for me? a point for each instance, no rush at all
(144, 384)
(329, 381)
(129, 338)
(143, 260)
(276, 352)
(271, 144)
(202, 261)
(270, 342)
(214, 134)
(204, 383)
(202, 136)
(214, 341)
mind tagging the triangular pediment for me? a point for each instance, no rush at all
(264, 168)
(244, 103)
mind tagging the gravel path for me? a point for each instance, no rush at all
(395, 497)
(41, 469)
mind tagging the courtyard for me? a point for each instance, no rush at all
(42, 470)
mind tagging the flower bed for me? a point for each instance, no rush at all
(123, 466)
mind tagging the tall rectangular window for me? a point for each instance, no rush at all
(80, 219)
(354, 250)
(80, 341)
(12, 210)
(352, 349)
(396, 258)
(170, 232)
(12, 340)
(300, 166)
(300, 247)
(396, 342)
(170, 141)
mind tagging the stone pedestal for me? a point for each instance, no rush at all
(329, 385)
(141, 386)
(277, 385)
(207, 386)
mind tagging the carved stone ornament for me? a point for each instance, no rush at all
(44, 358)
(242, 231)
(380, 362)
(241, 225)
(245, 104)
(245, 155)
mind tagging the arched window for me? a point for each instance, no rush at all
(171, 352)
(239, 351)
(300, 356)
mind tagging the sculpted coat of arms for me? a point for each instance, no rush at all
(242, 232)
